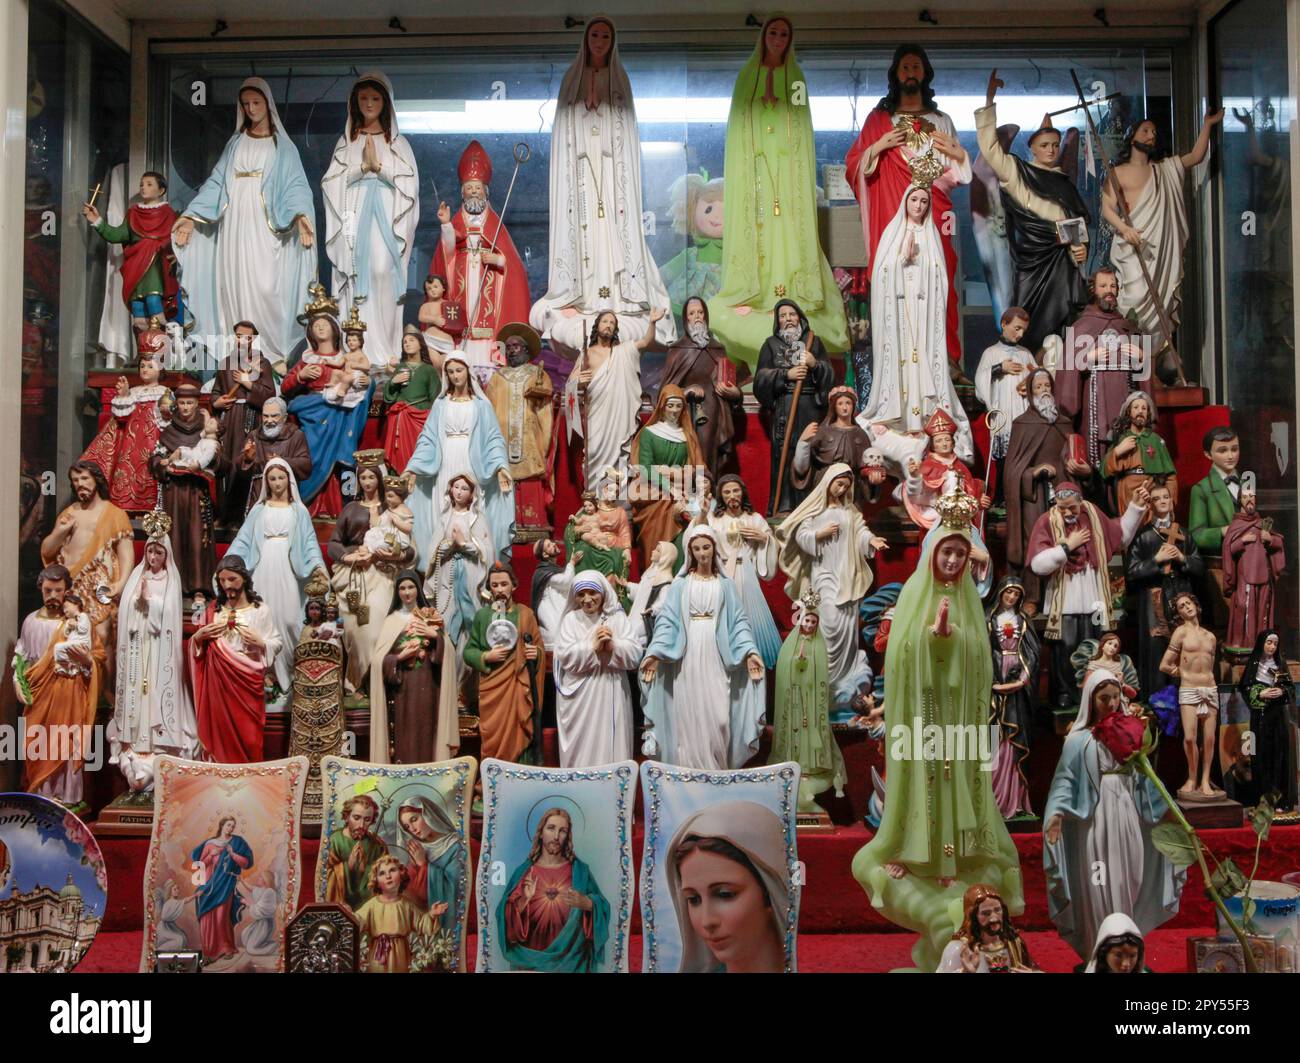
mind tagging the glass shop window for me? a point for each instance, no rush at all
(1253, 259)
(683, 95)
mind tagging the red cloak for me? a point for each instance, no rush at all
(505, 290)
(879, 195)
(152, 227)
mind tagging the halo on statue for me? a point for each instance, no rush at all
(577, 817)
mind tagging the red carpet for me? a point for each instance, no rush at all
(833, 902)
(119, 951)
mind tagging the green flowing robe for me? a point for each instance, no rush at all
(766, 255)
(801, 730)
(940, 819)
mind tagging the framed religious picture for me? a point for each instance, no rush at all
(555, 879)
(720, 873)
(224, 864)
(395, 851)
(323, 939)
(52, 872)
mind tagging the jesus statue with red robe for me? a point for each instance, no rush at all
(904, 131)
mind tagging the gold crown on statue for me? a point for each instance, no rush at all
(368, 459)
(811, 602)
(354, 322)
(157, 525)
(957, 510)
(397, 483)
(320, 302)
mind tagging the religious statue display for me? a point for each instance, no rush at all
(276, 436)
(92, 541)
(705, 678)
(409, 392)
(801, 729)
(231, 654)
(1253, 558)
(1002, 378)
(277, 543)
(1161, 561)
(148, 262)
(747, 554)
(910, 376)
(362, 578)
(699, 365)
(410, 719)
(1216, 499)
(461, 436)
(986, 942)
(505, 648)
(824, 547)
(1096, 375)
(1069, 548)
(599, 260)
(333, 428)
(484, 281)
(1037, 197)
(1138, 455)
(153, 711)
(244, 242)
(58, 669)
(602, 397)
(123, 446)
(940, 674)
(771, 248)
(1103, 809)
(838, 439)
(1150, 179)
(596, 645)
(1190, 659)
(1016, 653)
(907, 143)
(793, 383)
(1042, 451)
(371, 190)
(243, 385)
(666, 457)
(521, 393)
(1269, 690)
(316, 724)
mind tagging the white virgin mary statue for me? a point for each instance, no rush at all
(244, 242)
(278, 544)
(372, 205)
(153, 712)
(461, 436)
(909, 336)
(598, 255)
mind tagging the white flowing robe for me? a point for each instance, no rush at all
(278, 586)
(1001, 393)
(613, 402)
(840, 623)
(1160, 213)
(593, 701)
(909, 335)
(370, 222)
(599, 259)
(153, 712)
(457, 426)
(702, 705)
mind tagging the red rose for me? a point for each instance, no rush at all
(1121, 734)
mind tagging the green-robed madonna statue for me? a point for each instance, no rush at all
(770, 244)
(941, 830)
